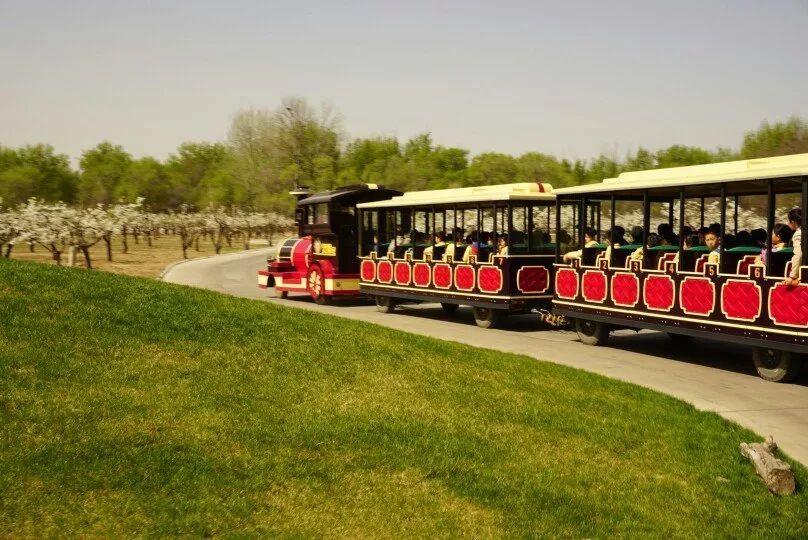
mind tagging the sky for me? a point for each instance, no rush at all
(574, 79)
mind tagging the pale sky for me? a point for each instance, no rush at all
(574, 79)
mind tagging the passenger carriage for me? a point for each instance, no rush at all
(322, 260)
(443, 246)
(676, 288)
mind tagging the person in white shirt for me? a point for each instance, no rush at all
(795, 224)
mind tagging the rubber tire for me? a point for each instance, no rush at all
(487, 317)
(776, 366)
(592, 332)
(385, 304)
(449, 309)
(315, 290)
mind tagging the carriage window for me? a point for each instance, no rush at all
(567, 234)
(540, 225)
(370, 233)
(517, 237)
(421, 227)
(321, 213)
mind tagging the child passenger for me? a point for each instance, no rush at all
(590, 240)
(781, 234)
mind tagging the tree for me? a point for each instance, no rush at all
(103, 168)
(35, 171)
(536, 167)
(198, 175)
(491, 168)
(778, 139)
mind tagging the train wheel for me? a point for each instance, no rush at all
(776, 366)
(449, 309)
(385, 304)
(315, 285)
(487, 317)
(280, 294)
(592, 332)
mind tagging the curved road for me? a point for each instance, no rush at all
(712, 376)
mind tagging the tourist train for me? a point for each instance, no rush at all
(710, 251)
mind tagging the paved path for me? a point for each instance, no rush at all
(712, 376)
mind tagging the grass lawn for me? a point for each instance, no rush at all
(133, 407)
(141, 260)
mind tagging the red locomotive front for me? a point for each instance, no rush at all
(322, 260)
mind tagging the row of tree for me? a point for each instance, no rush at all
(268, 152)
(60, 228)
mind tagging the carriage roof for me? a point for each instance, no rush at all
(526, 191)
(356, 192)
(790, 166)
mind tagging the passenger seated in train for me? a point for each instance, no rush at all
(758, 237)
(781, 235)
(590, 240)
(691, 241)
(666, 235)
(451, 246)
(439, 243)
(616, 238)
(712, 239)
(502, 245)
(795, 224)
(653, 241)
(473, 247)
(636, 234)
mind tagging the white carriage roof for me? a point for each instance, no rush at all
(729, 171)
(526, 191)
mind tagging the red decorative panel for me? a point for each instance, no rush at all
(593, 285)
(532, 279)
(697, 296)
(442, 276)
(368, 270)
(464, 277)
(741, 300)
(625, 289)
(403, 273)
(788, 306)
(421, 274)
(566, 283)
(658, 292)
(385, 271)
(489, 279)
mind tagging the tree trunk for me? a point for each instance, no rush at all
(31, 247)
(196, 244)
(57, 255)
(9, 247)
(87, 262)
(776, 474)
(136, 236)
(108, 242)
(148, 239)
(125, 239)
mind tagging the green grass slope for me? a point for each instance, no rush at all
(132, 407)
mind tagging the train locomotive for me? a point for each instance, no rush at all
(322, 261)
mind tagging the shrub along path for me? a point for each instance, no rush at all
(129, 406)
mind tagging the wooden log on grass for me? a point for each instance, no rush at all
(776, 473)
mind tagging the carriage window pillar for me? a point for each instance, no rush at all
(722, 246)
(770, 208)
(610, 239)
(803, 226)
(680, 257)
(646, 225)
